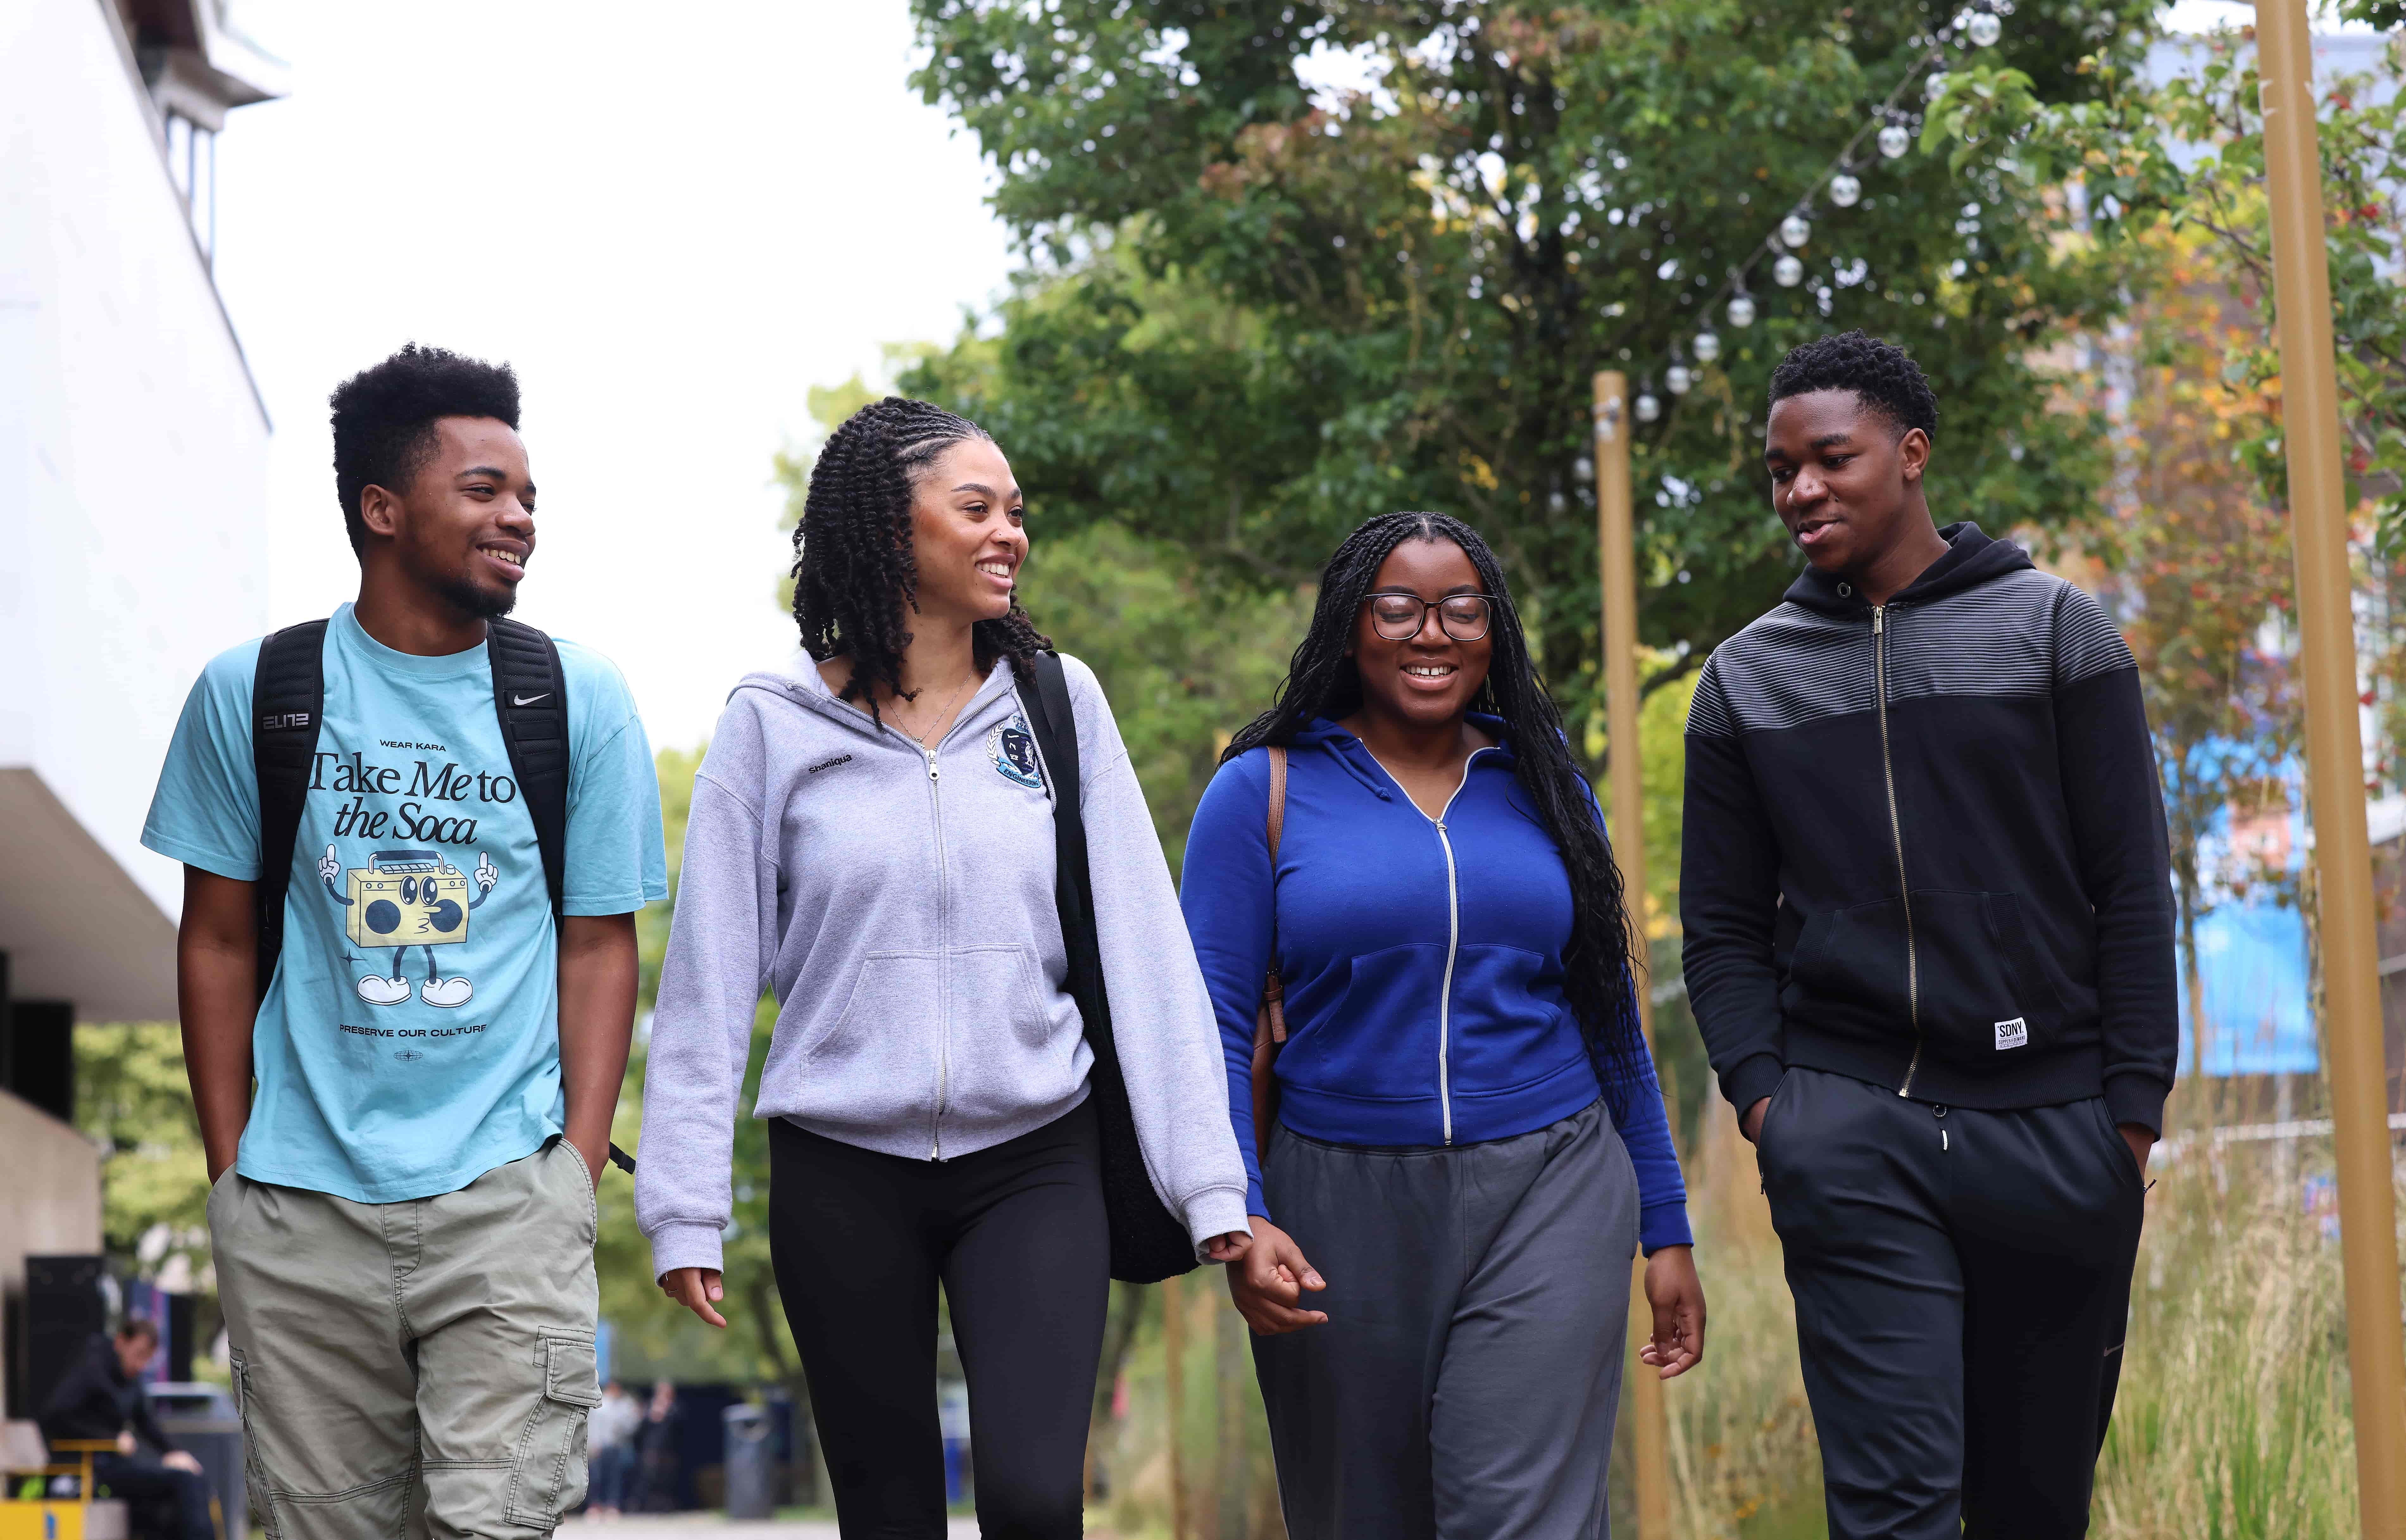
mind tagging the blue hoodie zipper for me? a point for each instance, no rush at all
(1453, 934)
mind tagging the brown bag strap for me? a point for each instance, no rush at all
(1278, 797)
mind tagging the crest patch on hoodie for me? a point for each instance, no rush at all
(1012, 749)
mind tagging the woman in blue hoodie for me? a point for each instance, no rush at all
(1468, 1144)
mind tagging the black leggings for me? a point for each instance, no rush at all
(1017, 1235)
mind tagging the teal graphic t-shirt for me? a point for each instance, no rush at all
(409, 1041)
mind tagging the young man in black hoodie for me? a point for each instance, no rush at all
(1927, 897)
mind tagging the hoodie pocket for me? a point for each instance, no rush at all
(1986, 996)
(875, 1063)
(1849, 971)
(1009, 1054)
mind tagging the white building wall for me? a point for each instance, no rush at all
(133, 488)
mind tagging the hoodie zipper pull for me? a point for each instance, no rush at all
(931, 763)
(1879, 618)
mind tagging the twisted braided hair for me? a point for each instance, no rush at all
(854, 576)
(1882, 375)
(1322, 682)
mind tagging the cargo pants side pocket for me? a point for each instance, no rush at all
(254, 1475)
(547, 1471)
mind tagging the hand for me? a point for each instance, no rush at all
(1678, 1296)
(1268, 1281)
(2142, 1140)
(126, 1445)
(485, 873)
(696, 1289)
(1750, 1123)
(1228, 1248)
(176, 1459)
(330, 867)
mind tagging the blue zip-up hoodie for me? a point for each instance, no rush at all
(1422, 961)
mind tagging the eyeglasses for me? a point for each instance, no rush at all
(1398, 617)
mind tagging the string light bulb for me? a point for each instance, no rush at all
(1787, 272)
(1894, 141)
(1741, 309)
(1845, 190)
(1678, 378)
(1708, 348)
(1984, 29)
(1650, 406)
(1933, 85)
(1796, 229)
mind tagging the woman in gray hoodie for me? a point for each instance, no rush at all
(871, 843)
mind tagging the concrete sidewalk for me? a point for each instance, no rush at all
(711, 1526)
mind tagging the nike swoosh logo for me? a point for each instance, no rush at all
(529, 699)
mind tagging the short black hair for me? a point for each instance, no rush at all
(133, 1327)
(385, 415)
(1882, 375)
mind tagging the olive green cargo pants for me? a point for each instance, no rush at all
(412, 1368)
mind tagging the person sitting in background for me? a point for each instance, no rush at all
(101, 1398)
(610, 1441)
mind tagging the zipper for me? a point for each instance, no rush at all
(943, 961)
(943, 919)
(1896, 833)
(1452, 940)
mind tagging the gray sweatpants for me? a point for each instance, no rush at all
(1465, 1383)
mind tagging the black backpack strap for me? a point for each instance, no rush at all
(1148, 1242)
(530, 698)
(1054, 725)
(288, 696)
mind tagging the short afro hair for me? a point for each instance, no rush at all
(385, 415)
(1882, 375)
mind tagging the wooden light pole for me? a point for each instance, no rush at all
(2335, 763)
(1173, 1390)
(1619, 561)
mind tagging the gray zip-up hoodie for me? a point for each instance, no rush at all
(898, 903)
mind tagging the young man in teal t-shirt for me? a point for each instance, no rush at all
(402, 1215)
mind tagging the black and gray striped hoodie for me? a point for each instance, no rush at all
(1925, 845)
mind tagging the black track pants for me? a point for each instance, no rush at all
(1962, 1283)
(1016, 1234)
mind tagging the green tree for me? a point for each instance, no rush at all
(1254, 316)
(2189, 155)
(130, 1097)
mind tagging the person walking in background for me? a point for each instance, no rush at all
(1469, 1142)
(659, 1451)
(402, 1220)
(102, 1398)
(872, 840)
(1928, 907)
(610, 1446)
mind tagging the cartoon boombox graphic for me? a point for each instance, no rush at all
(407, 898)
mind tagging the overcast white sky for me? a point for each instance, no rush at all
(672, 219)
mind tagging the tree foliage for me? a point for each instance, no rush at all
(2189, 153)
(132, 1097)
(1257, 312)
